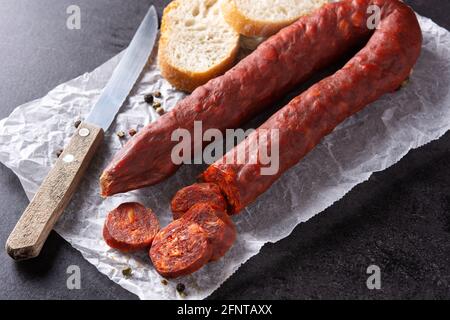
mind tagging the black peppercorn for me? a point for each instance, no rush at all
(148, 98)
(160, 111)
(181, 287)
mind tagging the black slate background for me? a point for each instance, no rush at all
(398, 220)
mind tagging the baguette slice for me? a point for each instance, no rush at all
(196, 43)
(263, 18)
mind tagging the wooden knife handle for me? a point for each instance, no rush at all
(53, 196)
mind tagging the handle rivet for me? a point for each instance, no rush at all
(68, 158)
(84, 132)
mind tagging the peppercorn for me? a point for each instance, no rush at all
(405, 83)
(77, 123)
(164, 282)
(156, 105)
(121, 134)
(132, 132)
(157, 94)
(127, 272)
(148, 98)
(181, 287)
(160, 111)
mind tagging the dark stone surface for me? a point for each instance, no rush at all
(398, 220)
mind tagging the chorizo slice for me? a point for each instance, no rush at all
(217, 224)
(197, 193)
(130, 227)
(180, 249)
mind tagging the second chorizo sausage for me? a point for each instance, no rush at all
(379, 68)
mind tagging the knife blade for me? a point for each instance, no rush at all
(126, 73)
(29, 235)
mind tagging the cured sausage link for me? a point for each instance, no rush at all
(273, 69)
(380, 67)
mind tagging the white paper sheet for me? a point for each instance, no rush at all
(371, 141)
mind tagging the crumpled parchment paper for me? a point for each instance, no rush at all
(371, 141)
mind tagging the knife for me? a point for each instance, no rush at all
(53, 196)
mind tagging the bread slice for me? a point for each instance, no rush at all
(196, 43)
(263, 18)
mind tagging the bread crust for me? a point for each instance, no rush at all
(251, 27)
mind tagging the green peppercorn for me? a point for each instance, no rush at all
(156, 105)
(405, 83)
(127, 272)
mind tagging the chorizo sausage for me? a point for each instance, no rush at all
(217, 224)
(379, 68)
(130, 227)
(198, 193)
(180, 249)
(277, 66)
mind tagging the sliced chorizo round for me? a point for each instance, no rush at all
(180, 249)
(197, 193)
(130, 227)
(218, 225)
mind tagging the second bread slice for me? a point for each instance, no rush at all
(263, 18)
